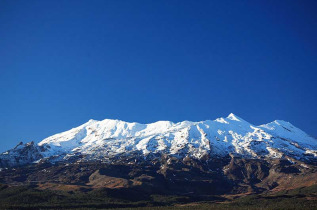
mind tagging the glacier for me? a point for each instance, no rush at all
(109, 138)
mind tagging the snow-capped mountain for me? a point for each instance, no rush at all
(107, 139)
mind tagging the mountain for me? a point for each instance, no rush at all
(112, 139)
(111, 163)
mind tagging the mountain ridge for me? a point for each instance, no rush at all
(106, 139)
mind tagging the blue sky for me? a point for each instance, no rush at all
(65, 62)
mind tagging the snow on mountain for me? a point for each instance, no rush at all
(220, 137)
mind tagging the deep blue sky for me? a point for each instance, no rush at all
(65, 62)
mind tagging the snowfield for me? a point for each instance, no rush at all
(220, 137)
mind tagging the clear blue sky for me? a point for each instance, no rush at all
(65, 62)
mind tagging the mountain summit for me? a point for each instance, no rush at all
(107, 139)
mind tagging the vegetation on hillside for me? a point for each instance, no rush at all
(29, 197)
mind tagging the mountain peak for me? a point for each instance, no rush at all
(234, 117)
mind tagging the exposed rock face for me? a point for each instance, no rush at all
(247, 171)
(20, 155)
(170, 175)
